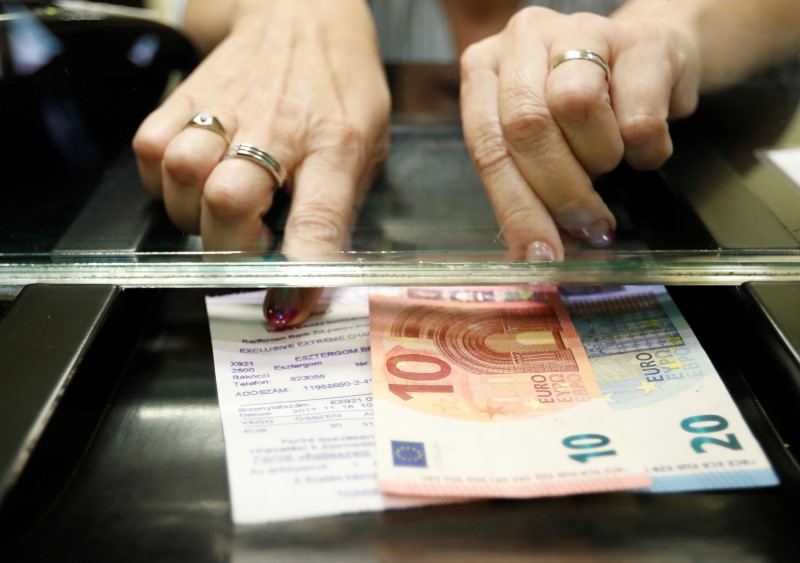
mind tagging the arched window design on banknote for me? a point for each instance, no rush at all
(491, 357)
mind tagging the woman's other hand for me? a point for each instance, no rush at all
(540, 130)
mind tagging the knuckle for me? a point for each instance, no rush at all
(149, 146)
(224, 200)
(527, 18)
(642, 129)
(342, 135)
(517, 220)
(471, 58)
(346, 136)
(525, 120)
(347, 141)
(317, 226)
(184, 166)
(488, 150)
(576, 101)
(587, 20)
(646, 138)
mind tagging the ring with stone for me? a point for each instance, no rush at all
(207, 121)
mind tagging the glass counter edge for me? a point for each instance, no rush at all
(202, 270)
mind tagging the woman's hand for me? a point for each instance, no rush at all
(539, 134)
(301, 80)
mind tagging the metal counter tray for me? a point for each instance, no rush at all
(131, 466)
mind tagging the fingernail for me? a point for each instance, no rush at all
(598, 233)
(281, 306)
(538, 251)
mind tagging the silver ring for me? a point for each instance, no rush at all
(582, 54)
(211, 123)
(262, 158)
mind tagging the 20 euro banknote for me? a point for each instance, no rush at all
(488, 392)
(664, 390)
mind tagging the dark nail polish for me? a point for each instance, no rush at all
(282, 306)
(598, 233)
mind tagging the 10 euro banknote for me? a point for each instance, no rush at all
(488, 392)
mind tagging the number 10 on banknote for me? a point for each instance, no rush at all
(488, 392)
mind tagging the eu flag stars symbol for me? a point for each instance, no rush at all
(410, 454)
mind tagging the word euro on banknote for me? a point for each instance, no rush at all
(488, 392)
(665, 390)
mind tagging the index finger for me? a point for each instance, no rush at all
(526, 225)
(324, 200)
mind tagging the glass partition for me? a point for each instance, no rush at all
(724, 210)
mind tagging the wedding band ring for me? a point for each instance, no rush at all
(262, 158)
(585, 55)
(210, 123)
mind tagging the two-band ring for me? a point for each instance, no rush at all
(582, 55)
(240, 150)
(209, 122)
(260, 157)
